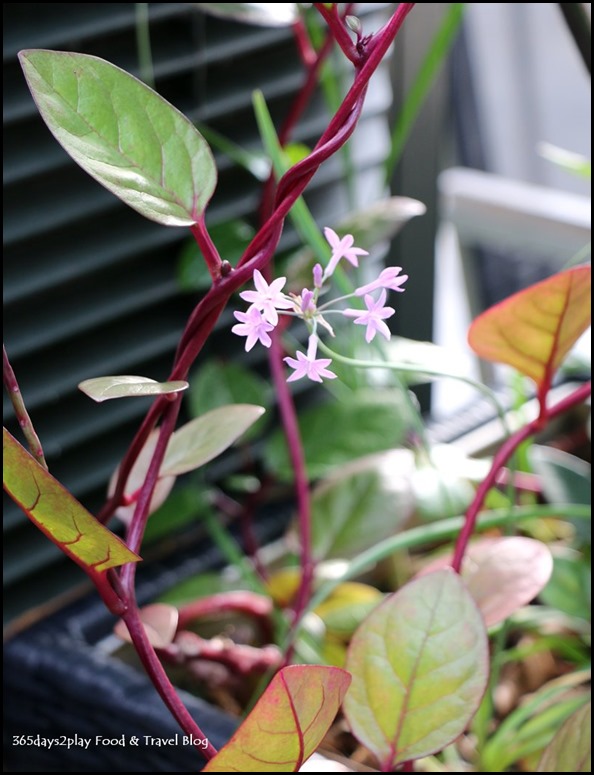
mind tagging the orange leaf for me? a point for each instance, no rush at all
(535, 329)
(287, 723)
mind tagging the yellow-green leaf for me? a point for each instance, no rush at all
(123, 134)
(288, 722)
(535, 329)
(58, 514)
(419, 664)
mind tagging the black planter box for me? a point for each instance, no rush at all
(59, 686)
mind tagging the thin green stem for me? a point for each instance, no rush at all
(143, 44)
(419, 89)
(407, 368)
(442, 531)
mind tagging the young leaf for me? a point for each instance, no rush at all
(58, 514)
(263, 14)
(571, 748)
(420, 667)
(287, 723)
(160, 623)
(502, 574)
(533, 330)
(202, 439)
(123, 134)
(127, 386)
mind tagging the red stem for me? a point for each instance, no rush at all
(207, 248)
(155, 670)
(339, 31)
(504, 453)
(14, 393)
(306, 50)
(291, 428)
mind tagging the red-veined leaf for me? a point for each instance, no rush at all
(535, 329)
(287, 723)
(419, 664)
(58, 514)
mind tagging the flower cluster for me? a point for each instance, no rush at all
(268, 301)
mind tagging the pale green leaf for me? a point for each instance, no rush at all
(204, 438)
(123, 134)
(128, 386)
(420, 667)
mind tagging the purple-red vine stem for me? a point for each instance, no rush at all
(504, 453)
(339, 30)
(16, 398)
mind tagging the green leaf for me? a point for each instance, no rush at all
(204, 438)
(362, 503)
(336, 433)
(262, 14)
(569, 588)
(502, 574)
(571, 748)
(217, 383)
(420, 667)
(534, 330)
(231, 239)
(125, 386)
(123, 134)
(287, 723)
(183, 508)
(58, 514)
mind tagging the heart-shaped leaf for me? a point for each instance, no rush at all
(262, 14)
(136, 479)
(571, 748)
(202, 439)
(160, 624)
(535, 329)
(502, 574)
(123, 134)
(420, 667)
(58, 514)
(287, 723)
(127, 386)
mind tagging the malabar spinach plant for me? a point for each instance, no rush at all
(418, 661)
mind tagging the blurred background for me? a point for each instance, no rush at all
(91, 288)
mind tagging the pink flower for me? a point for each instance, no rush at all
(341, 248)
(268, 298)
(388, 279)
(374, 317)
(254, 326)
(308, 365)
(318, 276)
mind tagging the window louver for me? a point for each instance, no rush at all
(89, 285)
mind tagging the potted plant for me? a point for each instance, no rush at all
(408, 668)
